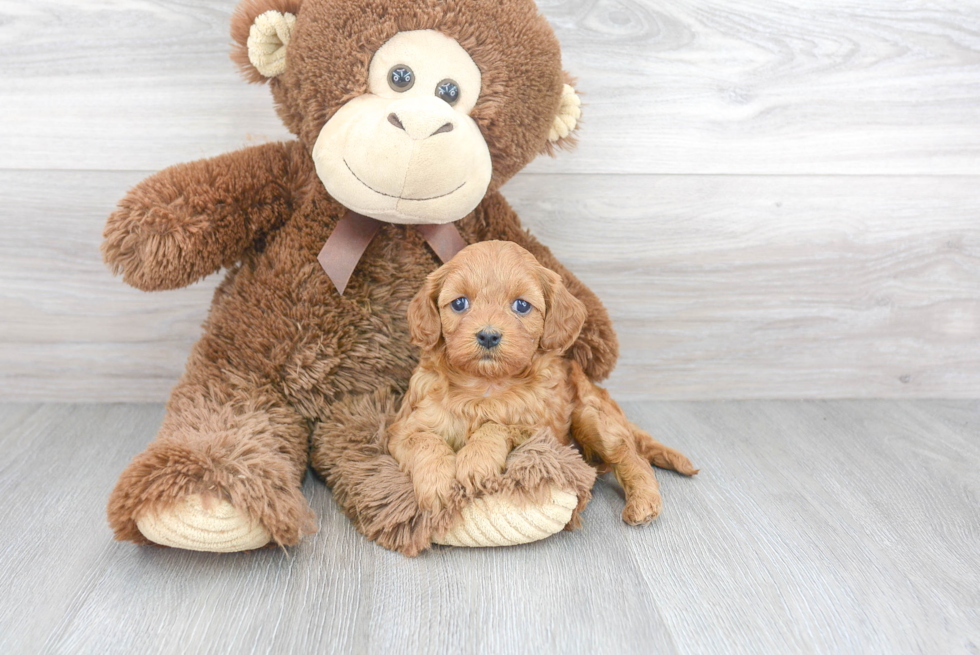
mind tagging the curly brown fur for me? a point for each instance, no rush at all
(470, 404)
(187, 222)
(285, 365)
(472, 399)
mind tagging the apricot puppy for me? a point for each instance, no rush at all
(493, 324)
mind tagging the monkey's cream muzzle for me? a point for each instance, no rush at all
(410, 160)
(402, 154)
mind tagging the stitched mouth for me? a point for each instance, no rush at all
(388, 195)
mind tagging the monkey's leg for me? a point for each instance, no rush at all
(225, 471)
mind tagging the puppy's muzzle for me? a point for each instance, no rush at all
(488, 338)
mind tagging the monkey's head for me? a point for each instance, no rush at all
(412, 110)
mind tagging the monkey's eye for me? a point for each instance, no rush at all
(461, 304)
(401, 78)
(448, 90)
(521, 307)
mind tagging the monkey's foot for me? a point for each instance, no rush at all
(498, 521)
(207, 524)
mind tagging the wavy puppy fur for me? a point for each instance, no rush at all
(493, 324)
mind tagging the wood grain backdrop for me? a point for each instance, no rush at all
(775, 199)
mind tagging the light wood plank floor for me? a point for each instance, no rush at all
(830, 527)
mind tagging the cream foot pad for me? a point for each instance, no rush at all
(494, 521)
(219, 528)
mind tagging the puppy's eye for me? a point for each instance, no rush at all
(521, 306)
(448, 90)
(461, 304)
(401, 78)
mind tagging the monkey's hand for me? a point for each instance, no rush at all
(189, 220)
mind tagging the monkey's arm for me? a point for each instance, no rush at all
(189, 220)
(597, 347)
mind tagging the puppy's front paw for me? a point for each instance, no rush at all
(642, 508)
(475, 465)
(435, 485)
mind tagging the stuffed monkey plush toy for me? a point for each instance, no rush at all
(409, 115)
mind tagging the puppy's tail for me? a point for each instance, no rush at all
(660, 455)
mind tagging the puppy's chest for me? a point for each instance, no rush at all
(540, 407)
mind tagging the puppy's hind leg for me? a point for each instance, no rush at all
(601, 428)
(660, 455)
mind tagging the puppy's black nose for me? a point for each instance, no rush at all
(488, 338)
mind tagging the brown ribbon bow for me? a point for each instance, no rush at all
(353, 234)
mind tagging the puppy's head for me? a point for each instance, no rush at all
(493, 308)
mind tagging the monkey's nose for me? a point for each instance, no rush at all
(393, 119)
(422, 118)
(488, 338)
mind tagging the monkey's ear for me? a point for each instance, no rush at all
(261, 30)
(561, 136)
(564, 314)
(424, 323)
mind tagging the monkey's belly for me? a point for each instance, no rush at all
(359, 343)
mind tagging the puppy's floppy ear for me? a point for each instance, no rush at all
(424, 323)
(564, 314)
